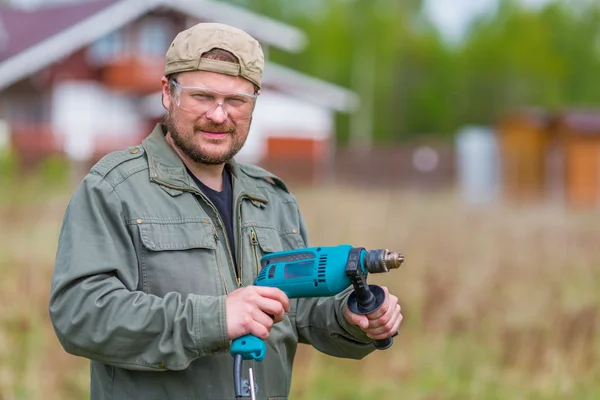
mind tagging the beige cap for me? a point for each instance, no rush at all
(185, 52)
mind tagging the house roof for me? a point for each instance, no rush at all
(3, 37)
(583, 122)
(61, 30)
(48, 21)
(309, 88)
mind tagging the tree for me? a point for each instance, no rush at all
(412, 82)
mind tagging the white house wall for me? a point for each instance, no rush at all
(85, 111)
(280, 115)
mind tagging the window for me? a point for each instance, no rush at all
(107, 47)
(154, 38)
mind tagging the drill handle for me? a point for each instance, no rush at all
(383, 344)
(366, 300)
(250, 347)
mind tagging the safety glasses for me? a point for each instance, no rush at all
(201, 102)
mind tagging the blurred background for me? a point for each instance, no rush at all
(464, 134)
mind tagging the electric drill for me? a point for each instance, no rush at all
(318, 272)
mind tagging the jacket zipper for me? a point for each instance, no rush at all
(219, 261)
(257, 202)
(227, 245)
(254, 242)
(239, 232)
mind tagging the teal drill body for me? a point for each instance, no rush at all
(309, 272)
(318, 272)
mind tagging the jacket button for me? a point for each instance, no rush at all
(134, 151)
(294, 230)
(139, 220)
(161, 366)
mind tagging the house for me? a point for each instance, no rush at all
(551, 156)
(84, 79)
(523, 139)
(577, 134)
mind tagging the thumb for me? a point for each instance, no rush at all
(359, 320)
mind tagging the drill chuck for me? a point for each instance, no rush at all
(382, 260)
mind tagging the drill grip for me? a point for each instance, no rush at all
(383, 344)
(365, 300)
(249, 347)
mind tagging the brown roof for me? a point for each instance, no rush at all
(47, 22)
(585, 122)
(52, 33)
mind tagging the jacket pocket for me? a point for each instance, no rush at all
(179, 257)
(264, 241)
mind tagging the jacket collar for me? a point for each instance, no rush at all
(168, 170)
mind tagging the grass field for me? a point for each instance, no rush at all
(499, 303)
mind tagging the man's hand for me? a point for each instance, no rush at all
(254, 310)
(381, 324)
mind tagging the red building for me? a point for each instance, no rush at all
(84, 79)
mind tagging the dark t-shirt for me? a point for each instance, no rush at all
(223, 201)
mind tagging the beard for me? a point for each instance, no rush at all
(184, 139)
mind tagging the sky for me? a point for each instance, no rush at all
(452, 16)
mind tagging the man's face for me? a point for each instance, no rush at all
(212, 137)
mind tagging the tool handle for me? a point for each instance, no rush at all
(365, 300)
(249, 347)
(383, 344)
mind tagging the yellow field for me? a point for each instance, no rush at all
(499, 303)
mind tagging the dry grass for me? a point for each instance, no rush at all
(499, 303)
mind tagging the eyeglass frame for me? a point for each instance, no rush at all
(179, 88)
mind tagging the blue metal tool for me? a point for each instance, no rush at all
(318, 272)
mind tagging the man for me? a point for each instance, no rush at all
(160, 245)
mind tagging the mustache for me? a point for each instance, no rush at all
(211, 127)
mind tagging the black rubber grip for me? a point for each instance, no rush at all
(384, 343)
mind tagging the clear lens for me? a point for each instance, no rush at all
(201, 101)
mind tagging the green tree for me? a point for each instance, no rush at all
(354, 44)
(413, 82)
(521, 57)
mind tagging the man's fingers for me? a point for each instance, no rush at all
(253, 310)
(390, 307)
(272, 307)
(259, 330)
(390, 327)
(385, 307)
(358, 320)
(263, 319)
(274, 294)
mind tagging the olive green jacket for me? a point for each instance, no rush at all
(143, 267)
